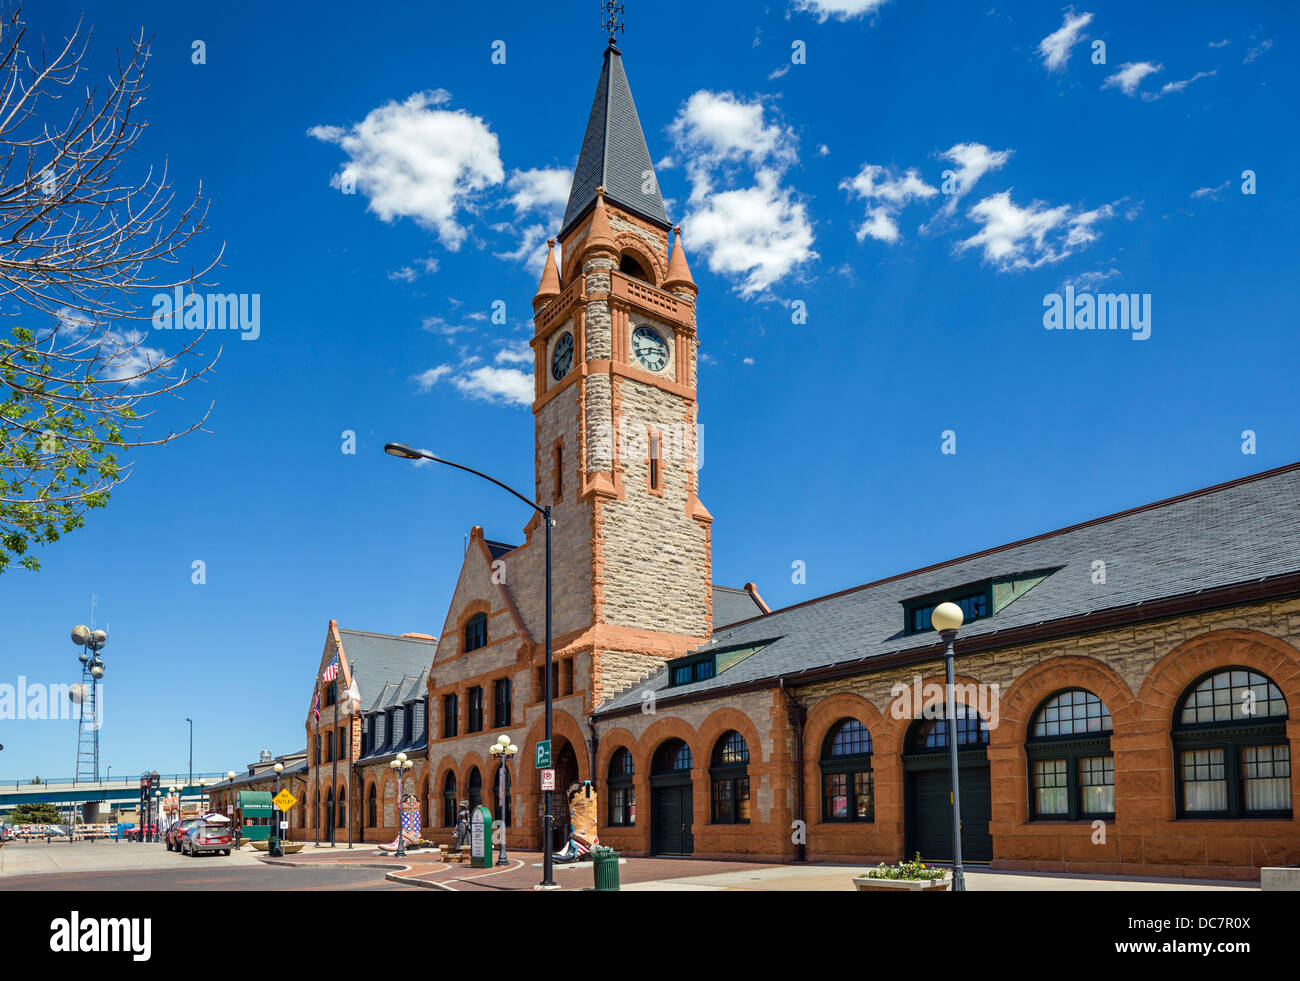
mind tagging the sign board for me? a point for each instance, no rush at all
(230, 808)
(284, 800)
(543, 754)
(548, 779)
(284, 825)
(480, 838)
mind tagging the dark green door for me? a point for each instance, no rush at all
(672, 820)
(930, 815)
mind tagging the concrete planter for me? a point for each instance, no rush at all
(863, 884)
(288, 847)
(1280, 879)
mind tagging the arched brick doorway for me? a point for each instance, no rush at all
(927, 801)
(672, 805)
(566, 775)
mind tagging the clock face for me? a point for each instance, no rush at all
(562, 357)
(649, 348)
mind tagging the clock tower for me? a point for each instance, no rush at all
(615, 406)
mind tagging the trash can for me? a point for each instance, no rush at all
(604, 862)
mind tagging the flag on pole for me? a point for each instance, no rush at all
(353, 696)
(332, 671)
(316, 707)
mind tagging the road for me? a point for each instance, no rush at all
(106, 865)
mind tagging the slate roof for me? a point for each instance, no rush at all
(1236, 533)
(378, 659)
(614, 152)
(732, 606)
(498, 549)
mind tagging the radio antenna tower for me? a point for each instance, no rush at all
(87, 693)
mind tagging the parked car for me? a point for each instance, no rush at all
(206, 836)
(172, 839)
(139, 834)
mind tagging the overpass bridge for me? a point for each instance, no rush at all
(123, 791)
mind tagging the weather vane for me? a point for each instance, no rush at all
(612, 18)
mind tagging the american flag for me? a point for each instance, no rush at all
(316, 708)
(332, 671)
(581, 847)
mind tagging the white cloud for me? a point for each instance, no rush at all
(1012, 237)
(1130, 76)
(886, 194)
(540, 189)
(1210, 192)
(415, 159)
(520, 354)
(1055, 48)
(778, 73)
(973, 161)
(823, 150)
(508, 386)
(112, 355)
(748, 360)
(531, 250)
(1220, 44)
(425, 380)
(839, 9)
(439, 326)
(1170, 87)
(409, 274)
(712, 128)
(1257, 50)
(759, 233)
(1089, 281)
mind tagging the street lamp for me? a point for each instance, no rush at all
(191, 722)
(947, 619)
(503, 751)
(405, 452)
(274, 848)
(154, 813)
(399, 765)
(230, 807)
(203, 804)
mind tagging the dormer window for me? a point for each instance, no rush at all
(977, 600)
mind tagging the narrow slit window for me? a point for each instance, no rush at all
(655, 451)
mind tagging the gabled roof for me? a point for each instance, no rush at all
(733, 605)
(379, 659)
(1241, 534)
(614, 153)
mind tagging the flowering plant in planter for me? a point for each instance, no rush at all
(914, 869)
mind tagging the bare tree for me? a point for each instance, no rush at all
(83, 248)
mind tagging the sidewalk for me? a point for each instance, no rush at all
(691, 875)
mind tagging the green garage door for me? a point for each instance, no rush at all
(930, 816)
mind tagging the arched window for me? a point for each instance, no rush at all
(329, 808)
(1071, 768)
(672, 756)
(622, 795)
(475, 789)
(316, 815)
(341, 819)
(372, 808)
(848, 785)
(449, 800)
(476, 632)
(729, 780)
(1232, 758)
(496, 795)
(630, 267)
(932, 734)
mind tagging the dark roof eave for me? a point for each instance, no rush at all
(1261, 589)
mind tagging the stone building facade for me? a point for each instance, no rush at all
(1126, 684)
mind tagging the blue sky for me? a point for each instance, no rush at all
(820, 183)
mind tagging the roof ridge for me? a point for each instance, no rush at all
(1091, 522)
(372, 633)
